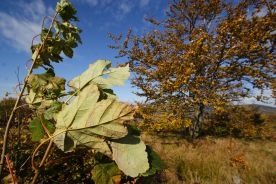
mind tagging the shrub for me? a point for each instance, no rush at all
(237, 121)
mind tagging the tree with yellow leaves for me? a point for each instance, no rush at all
(206, 53)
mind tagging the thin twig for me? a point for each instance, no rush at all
(41, 144)
(10, 169)
(18, 78)
(59, 160)
(44, 127)
(19, 98)
(21, 167)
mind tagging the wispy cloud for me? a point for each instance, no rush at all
(119, 9)
(94, 3)
(144, 2)
(266, 100)
(125, 8)
(18, 30)
(90, 2)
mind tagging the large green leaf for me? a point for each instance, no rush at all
(96, 120)
(130, 155)
(37, 129)
(85, 119)
(111, 130)
(79, 109)
(51, 112)
(85, 138)
(103, 173)
(102, 74)
(63, 142)
(156, 164)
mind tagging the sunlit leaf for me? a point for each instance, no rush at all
(51, 112)
(85, 118)
(101, 74)
(130, 155)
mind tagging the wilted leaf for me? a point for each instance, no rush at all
(117, 179)
(32, 98)
(7, 179)
(130, 155)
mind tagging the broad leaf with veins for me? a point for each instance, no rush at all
(97, 121)
(130, 155)
(102, 74)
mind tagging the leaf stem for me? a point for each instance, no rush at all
(43, 125)
(41, 144)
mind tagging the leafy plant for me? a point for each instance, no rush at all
(91, 116)
(237, 121)
(103, 173)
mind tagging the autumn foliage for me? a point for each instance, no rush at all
(204, 54)
(237, 121)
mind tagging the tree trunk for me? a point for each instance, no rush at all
(195, 128)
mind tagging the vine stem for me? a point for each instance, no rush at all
(46, 154)
(4, 147)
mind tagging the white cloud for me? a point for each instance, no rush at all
(18, 30)
(94, 3)
(125, 8)
(91, 2)
(117, 8)
(268, 99)
(144, 2)
(18, 33)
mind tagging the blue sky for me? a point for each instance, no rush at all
(20, 20)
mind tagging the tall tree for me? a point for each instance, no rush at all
(205, 53)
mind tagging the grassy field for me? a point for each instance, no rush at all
(207, 160)
(214, 160)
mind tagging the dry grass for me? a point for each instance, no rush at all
(215, 161)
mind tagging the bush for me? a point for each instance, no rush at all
(6, 106)
(237, 121)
